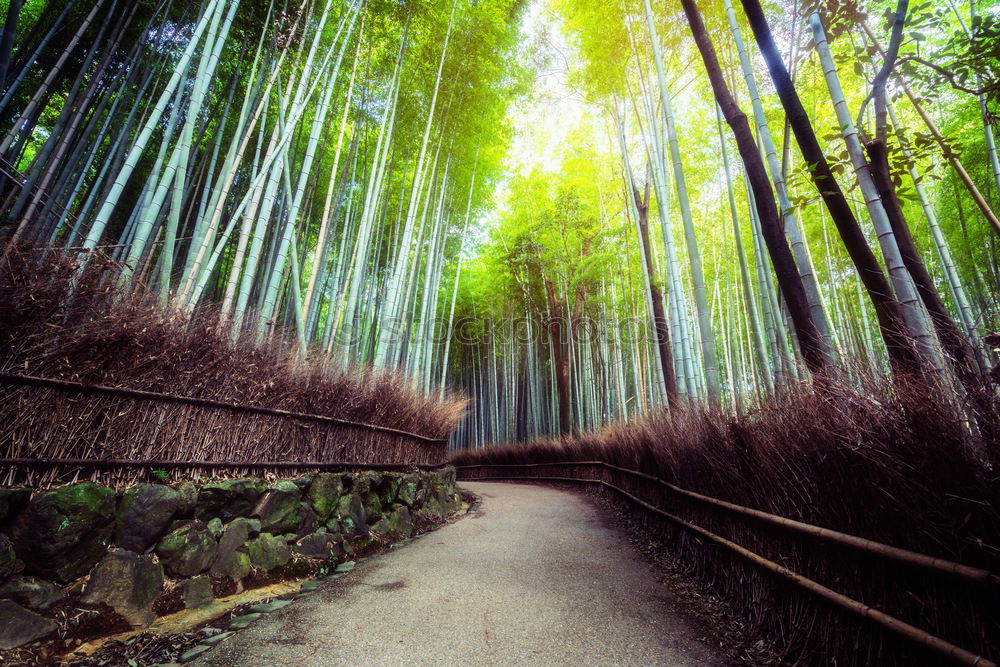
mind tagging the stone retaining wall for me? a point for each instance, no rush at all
(153, 549)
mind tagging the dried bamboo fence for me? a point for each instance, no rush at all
(56, 431)
(906, 607)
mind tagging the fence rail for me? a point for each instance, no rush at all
(863, 544)
(871, 614)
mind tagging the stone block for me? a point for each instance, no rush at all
(197, 592)
(268, 552)
(63, 532)
(228, 499)
(353, 520)
(128, 583)
(189, 550)
(318, 545)
(18, 626)
(31, 592)
(324, 494)
(144, 512)
(278, 508)
(12, 501)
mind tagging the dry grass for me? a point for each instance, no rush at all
(892, 465)
(93, 334)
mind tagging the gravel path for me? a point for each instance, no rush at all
(538, 576)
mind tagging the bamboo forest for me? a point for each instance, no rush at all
(285, 284)
(549, 207)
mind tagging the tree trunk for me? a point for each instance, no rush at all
(796, 235)
(754, 320)
(387, 344)
(7, 40)
(954, 343)
(902, 356)
(560, 352)
(557, 334)
(916, 325)
(962, 304)
(787, 272)
(660, 324)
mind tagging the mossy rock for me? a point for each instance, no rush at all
(31, 592)
(449, 503)
(304, 481)
(128, 583)
(365, 482)
(396, 524)
(435, 509)
(434, 482)
(324, 494)
(333, 525)
(347, 478)
(228, 499)
(63, 532)
(279, 508)
(234, 565)
(353, 519)
(188, 494)
(197, 592)
(454, 503)
(12, 501)
(216, 527)
(409, 491)
(230, 561)
(373, 507)
(449, 476)
(268, 552)
(388, 491)
(144, 512)
(365, 544)
(189, 550)
(18, 626)
(307, 520)
(442, 498)
(8, 559)
(318, 545)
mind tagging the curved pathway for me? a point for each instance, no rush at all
(536, 577)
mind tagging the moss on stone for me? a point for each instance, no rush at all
(63, 532)
(324, 494)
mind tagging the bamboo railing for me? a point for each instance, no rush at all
(895, 626)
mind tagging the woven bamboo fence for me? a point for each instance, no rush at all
(55, 431)
(827, 594)
(89, 376)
